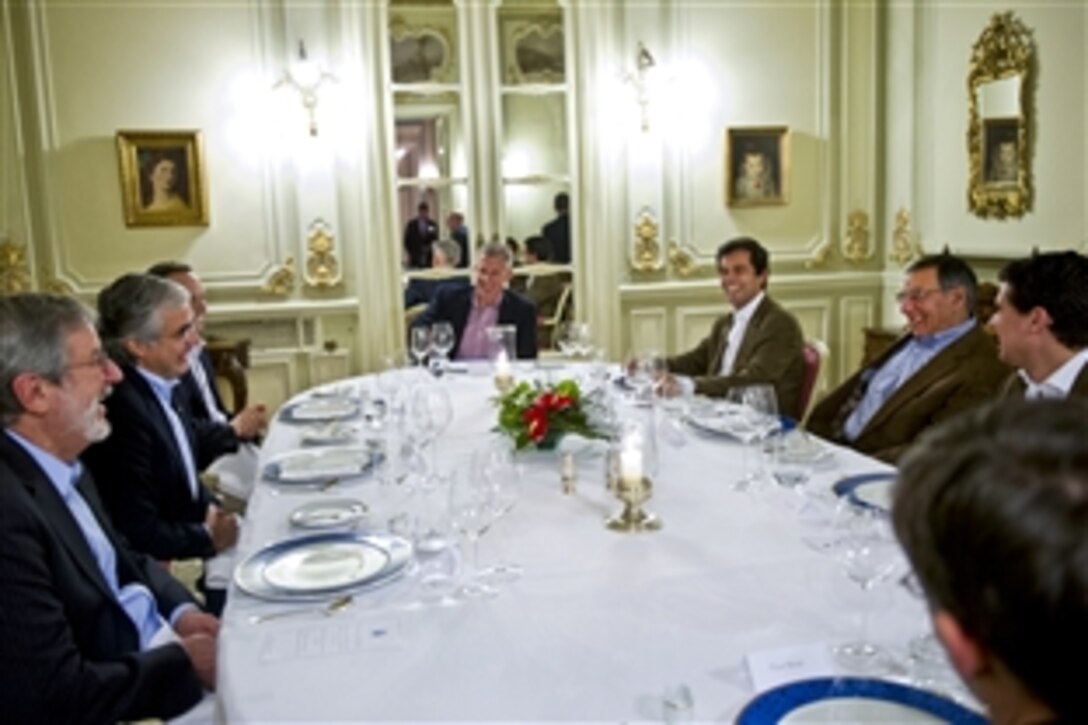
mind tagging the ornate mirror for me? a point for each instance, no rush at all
(1000, 84)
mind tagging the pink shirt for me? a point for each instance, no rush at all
(474, 342)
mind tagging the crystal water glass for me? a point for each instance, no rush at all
(471, 512)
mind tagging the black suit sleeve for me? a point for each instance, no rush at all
(129, 477)
(45, 676)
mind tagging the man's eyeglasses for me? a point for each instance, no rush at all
(915, 295)
(98, 360)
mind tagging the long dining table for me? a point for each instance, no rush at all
(599, 625)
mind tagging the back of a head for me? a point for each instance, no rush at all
(992, 510)
(951, 272)
(1058, 283)
(128, 310)
(539, 247)
(561, 203)
(757, 253)
(450, 251)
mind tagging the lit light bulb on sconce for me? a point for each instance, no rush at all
(641, 80)
(307, 77)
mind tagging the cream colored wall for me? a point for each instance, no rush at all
(874, 95)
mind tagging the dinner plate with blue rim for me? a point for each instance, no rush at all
(868, 490)
(309, 465)
(320, 409)
(853, 700)
(310, 568)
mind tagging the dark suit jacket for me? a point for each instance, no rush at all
(770, 352)
(218, 438)
(454, 305)
(68, 651)
(417, 242)
(557, 231)
(142, 475)
(421, 291)
(963, 375)
(1015, 387)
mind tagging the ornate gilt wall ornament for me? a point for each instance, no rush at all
(821, 255)
(1000, 86)
(322, 264)
(282, 280)
(14, 270)
(905, 245)
(682, 259)
(55, 286)
(856, 248)
(646, 256)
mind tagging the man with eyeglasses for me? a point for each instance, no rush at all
(148, 469)
(90, 631)
(945, 365)
(1041, 325)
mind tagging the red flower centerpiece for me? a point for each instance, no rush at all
(538, 416)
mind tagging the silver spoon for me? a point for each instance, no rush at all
(334, 606)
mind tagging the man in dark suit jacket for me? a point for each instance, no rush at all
(148, 468)
(419, 233)
(947, 364)
(89, 631)
(1041, 325)
(758, 342)
(471, 310)
(557, 231)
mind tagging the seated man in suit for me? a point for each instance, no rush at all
(147, 469)
(471, 310)
(1041, 325)
(236, 468)
(946, 365)
(422, 289)
(89, 630)
(991, 510)
(758, 342)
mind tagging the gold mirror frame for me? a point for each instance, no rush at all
(1005, 50)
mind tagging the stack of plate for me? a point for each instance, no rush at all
(315, 465)
(317, 409)
(315, 567)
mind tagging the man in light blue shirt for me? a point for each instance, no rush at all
(945, 365)
(90, 631)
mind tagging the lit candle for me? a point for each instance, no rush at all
(631, 461)
(503, 379)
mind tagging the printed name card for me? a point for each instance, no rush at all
(773, 667)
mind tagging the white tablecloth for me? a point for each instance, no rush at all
(599, 625)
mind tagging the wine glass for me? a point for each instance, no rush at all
(442, 340)
(755, 409)
(419, 343)
(499, 470)
(868, 555)
(471, 513)
(431, 413)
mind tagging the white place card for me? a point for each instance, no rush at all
(773, 667)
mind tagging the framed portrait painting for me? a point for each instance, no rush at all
(1001, 151)
(162, 178)
(757, 166)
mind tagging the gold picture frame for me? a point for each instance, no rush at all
(162, 178)
(757, 166)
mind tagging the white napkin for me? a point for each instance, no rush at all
(237, 472)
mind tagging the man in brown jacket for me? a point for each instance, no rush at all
(758, 342)
(1041, 325)
(946, 365)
